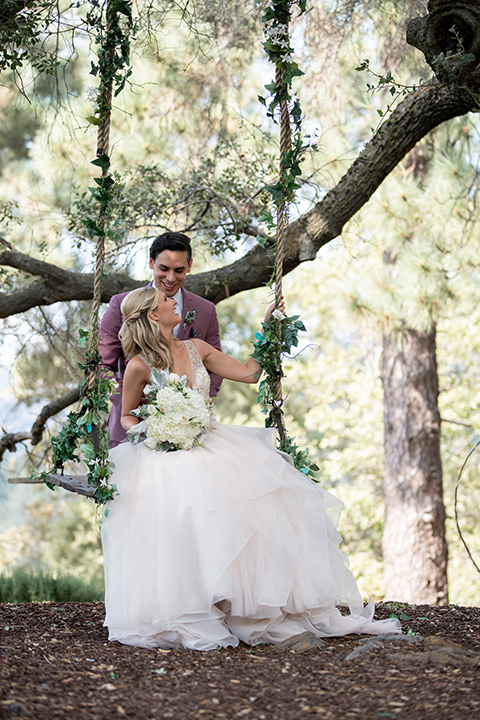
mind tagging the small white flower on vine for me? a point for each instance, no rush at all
(278, 315)
(278, 35)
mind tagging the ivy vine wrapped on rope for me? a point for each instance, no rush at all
(276, 341)
(83, 429)
(280, 334)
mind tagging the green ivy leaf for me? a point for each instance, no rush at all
(102, 161)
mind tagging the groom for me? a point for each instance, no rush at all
(170, 260)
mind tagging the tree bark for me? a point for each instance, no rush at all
(449, 37)
(54, 284)
(414, 544)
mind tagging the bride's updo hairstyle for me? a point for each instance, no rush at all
(140, 334)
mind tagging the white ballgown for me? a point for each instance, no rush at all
(223, 543)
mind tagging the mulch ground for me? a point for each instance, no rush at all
(56, 662)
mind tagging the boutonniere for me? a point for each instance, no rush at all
(189, 317)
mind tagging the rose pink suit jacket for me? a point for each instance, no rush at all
(204, 326)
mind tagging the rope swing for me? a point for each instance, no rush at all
(83, 427)
(280, 334)
(282, 223)
(103, 147)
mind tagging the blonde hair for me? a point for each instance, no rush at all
(140, 334)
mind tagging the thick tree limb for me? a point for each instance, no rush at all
(422, 111)
(54, 284)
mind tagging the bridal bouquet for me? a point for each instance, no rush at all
(175, 417)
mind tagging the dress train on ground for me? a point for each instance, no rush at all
(223, 543)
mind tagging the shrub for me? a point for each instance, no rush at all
(21, 585)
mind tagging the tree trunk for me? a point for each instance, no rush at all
(414, 544)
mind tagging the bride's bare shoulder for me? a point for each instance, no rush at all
(137, 367)
(200, 345)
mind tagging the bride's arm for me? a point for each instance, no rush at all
(228, 367)
(137, 375)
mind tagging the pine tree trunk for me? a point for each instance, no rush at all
(414, 544)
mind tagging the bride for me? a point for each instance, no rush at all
(224, 542)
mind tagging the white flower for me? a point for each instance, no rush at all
(278, 315)
(176, 417)
(173, 377)
(278, 35)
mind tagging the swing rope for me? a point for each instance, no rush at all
(83, 425)
(282, 212)
(103, 141)
(103, 146)
(282, 223)
(280, 334)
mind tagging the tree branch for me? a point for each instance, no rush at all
(9, 441)
(52, 409)
(418, 114)
(55, 284)
(422, 111)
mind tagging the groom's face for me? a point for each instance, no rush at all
(170, 268)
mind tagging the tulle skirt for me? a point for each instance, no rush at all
(223, 543)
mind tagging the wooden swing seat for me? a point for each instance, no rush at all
(74, 483)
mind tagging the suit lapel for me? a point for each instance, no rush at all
(187, 302)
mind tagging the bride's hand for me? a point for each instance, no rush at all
(273, 307)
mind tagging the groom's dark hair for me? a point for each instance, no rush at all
(171, 241)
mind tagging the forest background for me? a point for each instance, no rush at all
(194, 151)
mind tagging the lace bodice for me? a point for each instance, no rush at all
(200, 376)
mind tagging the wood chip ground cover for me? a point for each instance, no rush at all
(56, 662)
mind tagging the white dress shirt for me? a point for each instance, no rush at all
(179, 300)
